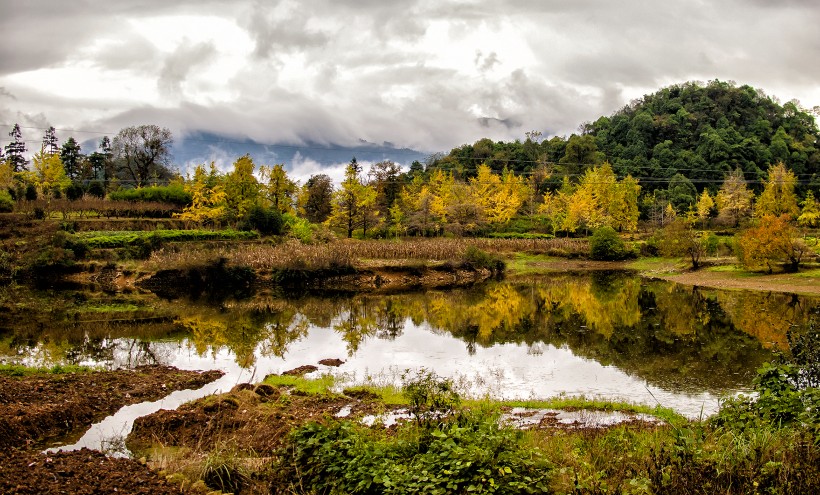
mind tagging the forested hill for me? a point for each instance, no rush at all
(696, 130)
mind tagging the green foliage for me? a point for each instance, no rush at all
(431, 397)
(96, 189)
(607, 245)
(478, 259)
(74, 191)
(117, 239)
(6, 202)
(786, 390)
(57, 369)
(267, 221)
(467, 454)
(174, 194)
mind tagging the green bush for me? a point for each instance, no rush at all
(96, 189)
(476, 258)
(267, 221)
(158, 194)
(74, 192)
(606, 245)
(6, 202)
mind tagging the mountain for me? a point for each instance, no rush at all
(203, 147)
(695, 131)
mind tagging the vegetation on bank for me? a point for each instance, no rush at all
(768, 442)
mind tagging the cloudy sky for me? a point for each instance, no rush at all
(424, 74)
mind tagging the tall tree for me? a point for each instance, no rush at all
(50, 174)
(142, 153)
(242, 187)
(315, 198)
(16, 149)
(278, 187)
(50, 144)
(385, 178)
(101, 160)
(778, 196)
(734, 199)
(704, 207)
(72, 158)
(347, 200)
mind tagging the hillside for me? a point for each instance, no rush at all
(696, 130)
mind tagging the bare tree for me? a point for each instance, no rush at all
(142, 153)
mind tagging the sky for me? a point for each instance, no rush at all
(429, 75)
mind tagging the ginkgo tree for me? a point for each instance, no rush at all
(209, 203)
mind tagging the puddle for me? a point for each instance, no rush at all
(526, 418)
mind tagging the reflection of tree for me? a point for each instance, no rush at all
(389, 320)
(356, 322)
(766, 316)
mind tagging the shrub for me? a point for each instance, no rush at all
(31, 192)
(74, 192)
(96, 189)
(606, 245)
(267, 221)
(477, 259)
(6, 202)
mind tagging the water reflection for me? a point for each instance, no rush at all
(673, 337)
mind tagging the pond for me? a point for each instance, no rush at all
(602, 335)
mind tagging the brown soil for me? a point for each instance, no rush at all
(79, 472)
(39, 408)
(249, 424)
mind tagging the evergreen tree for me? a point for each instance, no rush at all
(50, 144)
(72, 158)
(15, 150)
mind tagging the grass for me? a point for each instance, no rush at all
(580, 403)
(102, 240)
(322, 385)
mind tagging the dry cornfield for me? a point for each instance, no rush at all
(345, 253)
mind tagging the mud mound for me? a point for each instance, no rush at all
(37, 408)
(79, 472)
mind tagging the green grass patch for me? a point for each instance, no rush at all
(578, 403)
(20, 370)
(111, 308)
(527, 264)
(322, 385)
(118, 239)
(390, 394)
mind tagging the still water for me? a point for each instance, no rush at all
(603, 335)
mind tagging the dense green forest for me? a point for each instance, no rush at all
(700, 131)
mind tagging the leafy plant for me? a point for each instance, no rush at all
(607, 245)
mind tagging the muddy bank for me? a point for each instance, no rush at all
(81, 472)
(37, 409)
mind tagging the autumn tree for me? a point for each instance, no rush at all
(778, 196)
(348, 200)
(680, 239)
(209, 201)
(15, 150)
(704, 207)
(385, 178)
(277, 187)
(772, 241)
(142, 153)
(810, 214)
(734, 199)
(241, 187)
(50, 174)
(499, 196)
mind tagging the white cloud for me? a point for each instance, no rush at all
(425, 74)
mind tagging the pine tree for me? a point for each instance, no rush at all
(72, 158)
(15, 150)
(50, 144)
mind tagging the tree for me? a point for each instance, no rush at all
(50, 174)
(681, 193)
(101, 161)
(50, 144)
(704, 207)
(385, 178)
(209, 201)
(278, 188)
(679, 238)
(72, 158)
(15, 150)
(774, 240)
(241, 187)
(500, 197)
(142, 153)
(346, 201)
(778, 196)
(810, 214)
(315, 198)
(734, 199)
